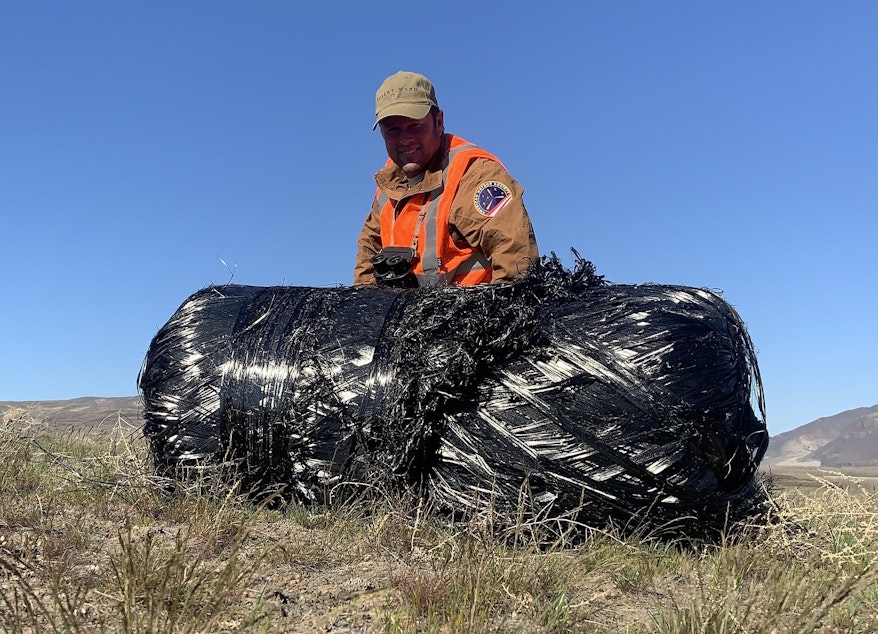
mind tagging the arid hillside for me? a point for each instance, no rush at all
(89, 413)
(847, 439)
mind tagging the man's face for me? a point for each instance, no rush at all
(411, 143)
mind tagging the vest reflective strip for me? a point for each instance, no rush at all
(382, 200)
(476, 262)
(430, 260)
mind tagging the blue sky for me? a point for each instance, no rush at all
(150, 149)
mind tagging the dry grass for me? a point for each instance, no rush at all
(90, 542)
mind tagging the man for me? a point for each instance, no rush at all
(445, 210)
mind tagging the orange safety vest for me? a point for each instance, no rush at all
(421, 221)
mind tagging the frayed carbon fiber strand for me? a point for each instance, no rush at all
(558, 396)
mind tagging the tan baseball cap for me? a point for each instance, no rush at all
(404, 94)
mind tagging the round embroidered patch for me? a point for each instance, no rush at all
(491, 197)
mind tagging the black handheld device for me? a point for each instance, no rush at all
(393, 267)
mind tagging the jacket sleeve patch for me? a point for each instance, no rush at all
(491, 197)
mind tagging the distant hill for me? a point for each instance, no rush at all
(846, 439)
(89, 413)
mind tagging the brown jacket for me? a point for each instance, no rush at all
(506, 239)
